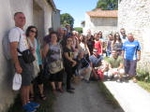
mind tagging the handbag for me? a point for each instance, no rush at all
(27, 55)
(55, 66)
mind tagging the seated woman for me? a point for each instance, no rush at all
(83, 67)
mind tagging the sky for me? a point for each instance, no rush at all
(76, 8)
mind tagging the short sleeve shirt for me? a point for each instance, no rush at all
(115, 63)
(70, 53)
(18, 35)
(131, 49)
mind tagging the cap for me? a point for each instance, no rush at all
(17, 81)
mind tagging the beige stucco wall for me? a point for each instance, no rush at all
(38, 13)
(56, 20)
(134, 16)
(106, 25)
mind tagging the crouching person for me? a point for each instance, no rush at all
(95, 62)
(115, 66)
(83, 67)
(103, 70)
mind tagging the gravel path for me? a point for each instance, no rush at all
(87, 98)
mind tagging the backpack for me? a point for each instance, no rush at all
(6, 46)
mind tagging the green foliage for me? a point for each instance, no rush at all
(66, 19)
(107, 4)
(144, 85)
(78, 29)
(143, 75)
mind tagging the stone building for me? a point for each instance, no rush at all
(134, 16)
(41, 13)
(101, 20)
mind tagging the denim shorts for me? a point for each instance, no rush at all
(27, 72)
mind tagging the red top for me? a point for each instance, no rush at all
(98, 46)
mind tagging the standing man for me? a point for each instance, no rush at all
(131, 54)
(18, 40)
(123, 35)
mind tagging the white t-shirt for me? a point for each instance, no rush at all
(18, 35)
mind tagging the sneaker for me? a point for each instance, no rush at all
(87, 81)
(34, 105)
(111, 78)
(29, 108)
(119, 80)
(70, 91)
(72, 88)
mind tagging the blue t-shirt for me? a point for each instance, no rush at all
(131, 49)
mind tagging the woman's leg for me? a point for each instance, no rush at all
(88, 73)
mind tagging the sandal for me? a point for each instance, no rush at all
(43, 97)
(134, 80)
(60, 90)
(32, 98)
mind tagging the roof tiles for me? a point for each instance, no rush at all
(103, 13)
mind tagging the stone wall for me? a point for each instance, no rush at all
(134, 16)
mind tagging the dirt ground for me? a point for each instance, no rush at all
(87, 98)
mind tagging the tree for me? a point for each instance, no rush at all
(66, 19)
(107, 4)
(78, 29)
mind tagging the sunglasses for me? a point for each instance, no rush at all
(32, 31)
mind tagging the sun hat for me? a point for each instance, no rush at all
(17, 81)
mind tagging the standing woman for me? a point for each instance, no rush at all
(32, 34)
(98, 44)
(69, 63)
(117, 43)
(52, 52)
(84, 46)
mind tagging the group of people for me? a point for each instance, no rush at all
(124, 52)
(69, 53)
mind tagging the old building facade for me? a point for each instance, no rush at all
(42, 14)
(134, 16)
(101, 20)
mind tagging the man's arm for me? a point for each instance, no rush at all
(138, 55)
(14, 54)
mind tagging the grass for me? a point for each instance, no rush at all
(46, 106)
(143, 79)
(145, 85)
(108, 96)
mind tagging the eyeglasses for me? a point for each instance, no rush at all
(69, 40)
(32, 31)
